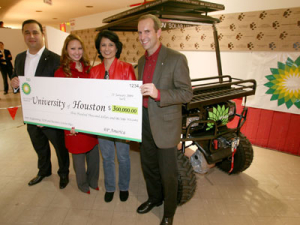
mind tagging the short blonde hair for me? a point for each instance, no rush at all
(156, 21)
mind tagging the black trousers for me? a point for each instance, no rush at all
(160, 170)
(40, 137)
(6, 73)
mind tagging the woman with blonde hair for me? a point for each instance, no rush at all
(84, 147)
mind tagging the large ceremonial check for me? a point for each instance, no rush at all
(111, 108)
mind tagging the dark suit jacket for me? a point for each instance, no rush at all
(48, 64)
(7, 59)
(171, 77)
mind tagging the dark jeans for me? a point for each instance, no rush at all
(40, 138)
(6, 73)
(107, 148)
(160, 170)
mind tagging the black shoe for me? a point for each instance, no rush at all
(37, 179)
(108, 197)
(16, 90)
(167, 221)
(63, 182)
(124, 196)
(5, 93)
(147, 206)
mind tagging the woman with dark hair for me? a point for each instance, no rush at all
(109, 48)
(74, 63)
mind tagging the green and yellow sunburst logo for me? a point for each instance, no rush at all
(26, 88)
(284, 83)
(218, 114)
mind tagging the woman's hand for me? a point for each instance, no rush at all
(72, 132)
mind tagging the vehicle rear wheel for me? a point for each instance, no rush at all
(242, 158)
(186, 179)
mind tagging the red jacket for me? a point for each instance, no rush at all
(82, 142)
(118, 70)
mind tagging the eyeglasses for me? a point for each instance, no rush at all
(106, 76)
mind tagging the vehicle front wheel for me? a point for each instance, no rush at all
(242, 158)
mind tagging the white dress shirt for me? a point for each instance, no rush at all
(31, 62)
(3, 56)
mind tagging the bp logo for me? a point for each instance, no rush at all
(26, 88)
(219, 113)
(284, 83)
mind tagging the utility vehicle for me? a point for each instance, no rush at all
(205, 118)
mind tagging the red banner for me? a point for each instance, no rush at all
(12, 111)
(142, 3)
(63, 27)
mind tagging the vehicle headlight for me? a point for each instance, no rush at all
(232, 110)
(192, 119)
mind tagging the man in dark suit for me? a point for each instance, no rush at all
(5, 66)
(166, 85)
(39, 61)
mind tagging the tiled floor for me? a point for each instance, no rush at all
(268, 193)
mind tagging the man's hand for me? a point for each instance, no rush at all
(15, 82)
(149, 90)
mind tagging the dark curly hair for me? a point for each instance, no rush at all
(112, 36)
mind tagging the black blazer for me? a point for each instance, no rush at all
(7, 59)
(48, 64)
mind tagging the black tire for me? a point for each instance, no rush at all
(186, 179)
(242, 158)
